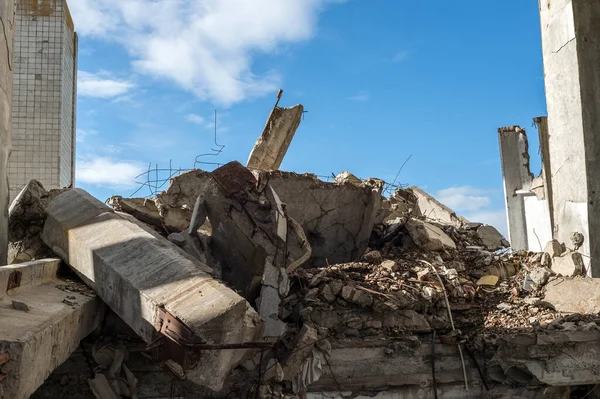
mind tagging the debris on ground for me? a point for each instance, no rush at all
(255, 282)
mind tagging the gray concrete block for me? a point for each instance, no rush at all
(39, 340)
(137, 274)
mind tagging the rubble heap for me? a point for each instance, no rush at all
(253, 282)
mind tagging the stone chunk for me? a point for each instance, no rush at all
(574, 295)
(307, 337)
(569, 265)
(26, 219)
(554, 248)
(428, 236)
(144, 278)
(491, 238)
(347, 177)
(540, 275)
(34, 343)
(271, 147)
(389, 265)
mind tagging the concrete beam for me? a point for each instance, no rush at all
(514, 151)
(542, 125)
(148, 281)
(56, 316)
(272, 145)
(7, 12)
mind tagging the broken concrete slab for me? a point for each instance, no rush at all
(554, 248)
(347, 177)
(272, 145)
(433, 210)
(337, 219)
(148, 282)
(145, 210)
(491, 238)
(37, 341)
(26, 218)
(569, 265)
(577, 295)
(429, 237)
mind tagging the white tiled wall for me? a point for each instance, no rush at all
(43, 103)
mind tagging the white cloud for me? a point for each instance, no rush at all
(360, 97)
(195, 118)
(473, 204)
(464, 198)
(104, 171)
(82, 134)
(205, 46)
(101, 85)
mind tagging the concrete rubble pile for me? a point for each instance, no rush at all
(248, 281)
(364, 318)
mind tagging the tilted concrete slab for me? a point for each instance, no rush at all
(272, 145)
(41, 338)
(337, 219)
(141, 276)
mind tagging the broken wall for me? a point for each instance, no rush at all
(337, 219)
(7, 13)
(528, 209)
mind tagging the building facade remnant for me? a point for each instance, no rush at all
(44, 96)
(7, 59)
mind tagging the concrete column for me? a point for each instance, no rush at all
(514, 152)
(7, 25)
(571, 39)
(542, 126)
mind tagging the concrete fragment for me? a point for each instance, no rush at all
(307, 337)
(390, 265)
(101, 387)
(574, 295)
(337, 219)
(540, 275)
(433, 210)
(26, 219)
(327, 293)
(488, 280)
(407, 320)
(428, 236)
(271, 147)
(569, 265)
(576, 239)
(347, 177)
(146, 210)
(554, 248)
(491, 238)
(336, 286)
(144, 279)
(37, 341)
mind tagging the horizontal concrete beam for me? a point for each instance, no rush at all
(42, 320)
(148, 281)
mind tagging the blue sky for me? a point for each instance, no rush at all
(381, 80)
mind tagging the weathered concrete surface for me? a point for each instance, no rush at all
(26, 218)
(145, 210)
(574, 295)
(137, 273)
(514, 152)
(337, 219)
(569, 265)
(434, 210)
(570, 40)
(40, 339)
(491, 238)
(7, 13)
(272, 145)
(429, 237)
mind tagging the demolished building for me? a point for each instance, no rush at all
(249, 281)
